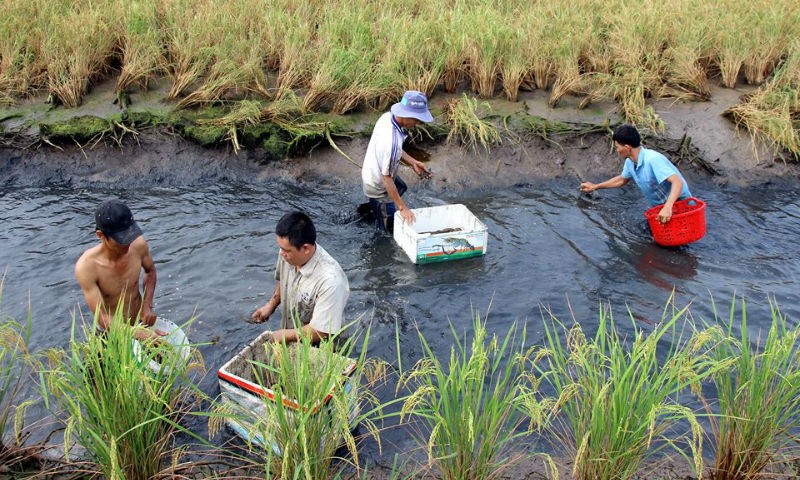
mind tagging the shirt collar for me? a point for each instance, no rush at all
(312, 262)
(398, 127)
(639, 161)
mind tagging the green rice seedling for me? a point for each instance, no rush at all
(122, 412)
(141, 45)
(468, 126)
(618, 397)
(755, 419)
(315, 397)
(16, 364)
(468, 408)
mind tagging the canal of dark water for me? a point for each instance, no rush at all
(550, 247)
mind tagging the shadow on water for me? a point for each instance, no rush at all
(548, 246)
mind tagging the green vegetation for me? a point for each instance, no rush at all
(341, 56)
(120, 410)
(314, 410)
(757, 410)
(468, 124)
(468, 408)
(15, 362)
(619, 397)
(609, 402)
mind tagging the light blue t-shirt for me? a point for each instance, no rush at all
(650, 173)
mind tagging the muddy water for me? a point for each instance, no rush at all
(548, 246)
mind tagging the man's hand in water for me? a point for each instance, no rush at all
(262, 314)
(148, 317)
(421, 170)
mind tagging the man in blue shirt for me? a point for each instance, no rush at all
(657, 178)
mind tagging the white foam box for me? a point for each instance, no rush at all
(242, 394)
(441, 233)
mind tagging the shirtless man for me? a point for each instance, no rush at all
(108, 273)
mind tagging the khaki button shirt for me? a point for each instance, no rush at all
(314, 294)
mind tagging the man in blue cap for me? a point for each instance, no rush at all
(109, 273)
(381, 184)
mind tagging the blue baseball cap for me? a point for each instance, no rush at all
(414, 104)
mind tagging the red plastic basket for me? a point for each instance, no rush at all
(688, 223)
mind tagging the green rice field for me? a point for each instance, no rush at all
(339, 56)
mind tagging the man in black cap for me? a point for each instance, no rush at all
(109, 273)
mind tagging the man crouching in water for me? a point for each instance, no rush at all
(108, 273)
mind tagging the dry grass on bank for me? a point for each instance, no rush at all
(345, 55)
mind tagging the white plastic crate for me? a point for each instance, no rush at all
(445, 232)
(241, 392)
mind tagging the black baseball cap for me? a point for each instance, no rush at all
(115, 220)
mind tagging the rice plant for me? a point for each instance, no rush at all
(122, 412)
(771, 113)
(314, 397)
(141, 45)
(16, 364)
(755, 419)
(467, 124)
(78, 45)
(618, 397)
(468, 408)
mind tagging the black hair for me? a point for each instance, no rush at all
(298, 228)
(627, 135)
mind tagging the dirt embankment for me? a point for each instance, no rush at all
(697, 137)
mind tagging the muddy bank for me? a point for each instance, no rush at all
(159, 159)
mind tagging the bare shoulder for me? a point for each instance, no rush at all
(86, 266)
(140, 246)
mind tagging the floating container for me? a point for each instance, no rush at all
(241, 392)
(687, 225)
(445, 232)
(174, 336)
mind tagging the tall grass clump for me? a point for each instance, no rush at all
(314, 411)
(468, 408)
(468, 124)
(79, 42)
(141, 45)
(15, 365)
(122, 412)
(758, 397)
(772, 113)
(20, 70)
(347, 50)
(619, 396)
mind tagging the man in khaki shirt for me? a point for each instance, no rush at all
(312, 288)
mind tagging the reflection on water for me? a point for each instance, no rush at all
(666, 268)
(548, 245)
